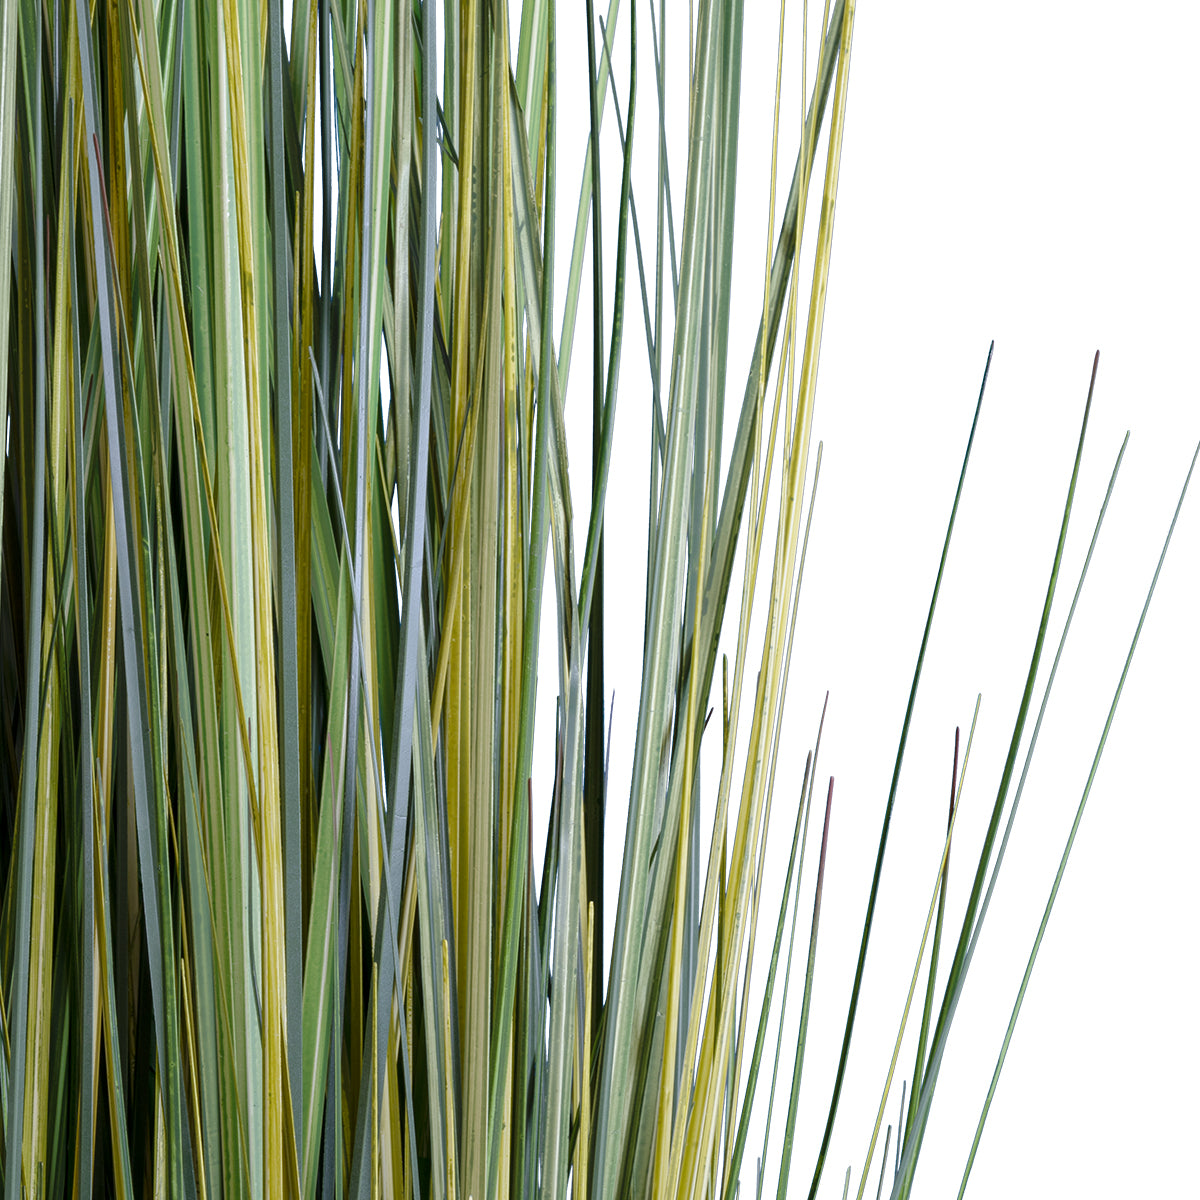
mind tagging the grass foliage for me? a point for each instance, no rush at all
(286, 509)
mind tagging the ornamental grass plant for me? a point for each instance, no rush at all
(286, 519)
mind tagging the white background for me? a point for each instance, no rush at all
(1023, 172)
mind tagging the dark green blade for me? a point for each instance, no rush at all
(887, 816)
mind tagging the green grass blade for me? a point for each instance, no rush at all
(938, 890)
(566, 338)
(789, 1132)
(663, 649)
(320, 957)
(735, 1162)
(414, 541)
(1087, 789)
(288, 616)
(733, 498)
(787, 974)
(957, 974)
(927, 1009)
(593, 614)
(358, 436)
(1037, 726)
(387, 914)
(637, 237)
(887, 816)
(14, 1184)
(723, 222)
(116, 1108)
(602, 443)
(210, 990)
(434, 912)
(887, 1144)
(142, 574)
(774, 750)
(8, 180)
(87, 820)
(564, 959)
(970, 953)
(518, 860)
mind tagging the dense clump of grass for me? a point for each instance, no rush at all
(284, 491)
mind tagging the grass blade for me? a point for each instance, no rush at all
(1062, 866)
(802, 1038)
(938, 887)
(87, 805)
(957, 974)
(288, 624)
(735, 1162)
(8, 178)
(587, 186)
(887, 816)
(20, 993)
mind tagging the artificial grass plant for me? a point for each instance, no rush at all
(284, 489)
